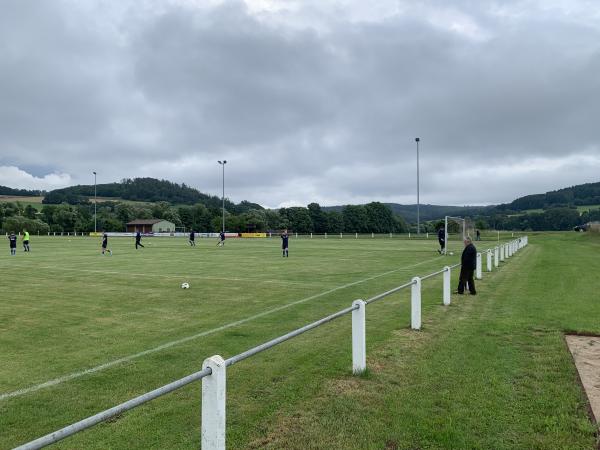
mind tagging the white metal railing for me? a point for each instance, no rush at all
(214, 368)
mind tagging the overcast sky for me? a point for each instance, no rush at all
(307, 100)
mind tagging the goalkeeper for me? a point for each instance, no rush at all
(442, 239)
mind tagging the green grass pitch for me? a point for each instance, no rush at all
(81, 332)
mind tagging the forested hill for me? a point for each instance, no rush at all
(429, 212)
(143, 189)
(582, 194)
(4, 190)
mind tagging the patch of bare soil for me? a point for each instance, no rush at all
(586, 353)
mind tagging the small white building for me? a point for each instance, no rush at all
(150, 226)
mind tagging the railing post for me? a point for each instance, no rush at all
(489, 261)
(502, 252)
(359, 338)
(496, 252)
(446, 288)
(213, 404)
(478, 267)
(415, 304)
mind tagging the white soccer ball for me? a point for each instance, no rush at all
(185, 285)
(451, 253)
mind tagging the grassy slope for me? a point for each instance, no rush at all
(490, 371)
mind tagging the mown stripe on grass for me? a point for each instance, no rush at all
(170, 344)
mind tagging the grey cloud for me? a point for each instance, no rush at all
(326, 109)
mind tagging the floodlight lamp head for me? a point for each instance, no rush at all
(417, 139)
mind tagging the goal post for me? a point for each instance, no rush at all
(456, 229)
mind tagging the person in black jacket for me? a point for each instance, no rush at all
(468, 265)
(442, 239)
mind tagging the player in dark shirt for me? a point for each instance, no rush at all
(12, 242)
(222, 237)
(138, 240)
(442, 240)
(105, 245)
(193, 239)
(284, 244)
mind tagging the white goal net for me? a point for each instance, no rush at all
(456, 229)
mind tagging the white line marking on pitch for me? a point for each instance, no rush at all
(125, 359)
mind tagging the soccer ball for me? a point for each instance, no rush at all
(185, 285)
(451, 253)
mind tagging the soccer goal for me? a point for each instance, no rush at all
(456, 229)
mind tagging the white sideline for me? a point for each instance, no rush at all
(124, 359)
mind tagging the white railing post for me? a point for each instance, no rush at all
(446, 288)
(502, 252)
(213, 404)
(489, 261)
(359, 338)
(415, 304)
(496, 255)
(478, 267)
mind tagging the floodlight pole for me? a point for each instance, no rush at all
(418, 197)
(95, 201)
(223, 197)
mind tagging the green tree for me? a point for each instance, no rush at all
(355, 219)
(318, 218)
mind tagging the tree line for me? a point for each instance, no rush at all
(374, 217)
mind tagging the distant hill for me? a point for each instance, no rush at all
(4, 190)
(429, 212)
(582, 194)
(144, 190)
(579, 195)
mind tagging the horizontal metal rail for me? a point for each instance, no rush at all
(272, 343)
(112, 412)
(390, 292)
(431, 275)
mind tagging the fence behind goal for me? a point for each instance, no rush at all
(214, 368)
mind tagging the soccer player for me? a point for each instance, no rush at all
(105, 244)
(192, 239)
(442, 239)
(138, 240)
(478, 238)
(12, 242)
(222, 237)
(468, 265)
(284, 244)
(26, 241)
